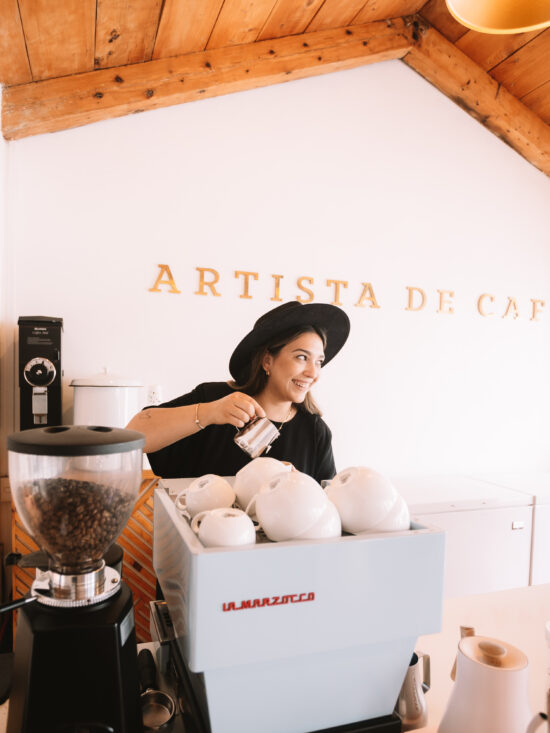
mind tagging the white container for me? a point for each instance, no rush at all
(106, 399)
(488, 528)
(301, 635)
(536, 487)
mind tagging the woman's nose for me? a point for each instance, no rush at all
(311, 369)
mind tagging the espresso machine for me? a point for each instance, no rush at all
(75, 664)
(299, 636)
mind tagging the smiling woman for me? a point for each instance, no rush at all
(274, 368)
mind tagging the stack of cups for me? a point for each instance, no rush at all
(293, 506)
(208, 502)
(368, 502)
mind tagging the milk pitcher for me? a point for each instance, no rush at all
(411, 703)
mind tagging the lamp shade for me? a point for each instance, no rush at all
(501, 16)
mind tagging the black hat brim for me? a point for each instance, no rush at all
(333, 320)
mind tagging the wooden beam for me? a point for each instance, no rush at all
(461, 79)
(58, 104)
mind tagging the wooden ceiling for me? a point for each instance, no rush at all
(71, 62)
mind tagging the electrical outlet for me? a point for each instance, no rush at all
(154, 394)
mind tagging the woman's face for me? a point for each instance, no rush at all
(295, 369)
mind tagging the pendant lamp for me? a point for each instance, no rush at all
(501, 16)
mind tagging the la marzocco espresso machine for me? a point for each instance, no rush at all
(75, 665)
(296, 636)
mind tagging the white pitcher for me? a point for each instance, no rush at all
(490, 693)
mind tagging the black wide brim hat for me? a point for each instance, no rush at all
(333, 320)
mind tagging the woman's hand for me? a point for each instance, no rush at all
(235, 409)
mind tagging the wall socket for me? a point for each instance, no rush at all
(154, 394)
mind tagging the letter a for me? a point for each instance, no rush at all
(164, 270)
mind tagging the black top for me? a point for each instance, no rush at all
(75, 440)
(305, 441)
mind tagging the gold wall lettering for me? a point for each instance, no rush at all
(536, 311)
(300, 283)
(481, 305)
(367, 294)
(276, 297)
(164, 270)
(411, 306)
(246, 279)
(416, 300)
(203, 283)
(337, 284)
(446, 301)
(512, 309)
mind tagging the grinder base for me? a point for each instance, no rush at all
(76, 669)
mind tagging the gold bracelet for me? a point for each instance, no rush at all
(197, 416)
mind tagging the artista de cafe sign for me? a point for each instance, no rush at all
(415, 298)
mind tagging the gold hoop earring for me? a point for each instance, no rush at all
(267, 373)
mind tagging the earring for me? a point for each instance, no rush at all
(267, 373)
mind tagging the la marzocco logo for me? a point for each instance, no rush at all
(271, 601)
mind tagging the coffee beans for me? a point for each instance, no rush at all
(74, 520)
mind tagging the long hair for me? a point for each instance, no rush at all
(257, 378)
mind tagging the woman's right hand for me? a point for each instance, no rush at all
(235, 409)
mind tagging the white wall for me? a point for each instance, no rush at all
(369, 175)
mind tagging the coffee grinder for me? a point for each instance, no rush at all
(75, 665)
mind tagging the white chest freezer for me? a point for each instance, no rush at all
(488, 530)
(535, 486)
(297, 636)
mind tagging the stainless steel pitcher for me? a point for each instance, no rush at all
(257, 436)
(411, 703)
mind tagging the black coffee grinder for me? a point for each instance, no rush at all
(75, 665)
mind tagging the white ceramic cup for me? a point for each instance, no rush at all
(328, 525)
(205, 492)
(397, 519)
(251, 477)
(224, 527)
(287, 505)
(365, 499)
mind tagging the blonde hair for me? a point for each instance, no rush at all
(257, 378)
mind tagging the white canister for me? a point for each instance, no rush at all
(106, 399)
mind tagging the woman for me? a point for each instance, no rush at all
(274, 368)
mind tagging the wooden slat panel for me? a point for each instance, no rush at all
(436, 13)
(488, 49)
(185, 26)
(539, 101)
(125, 32)
(289, 17)
(336, 14)
(60, 36)
(526, 69)
(240, 21)
(379, 9)
(14, 63)
(461, 79)
(62, 103)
